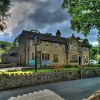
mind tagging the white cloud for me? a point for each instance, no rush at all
(16, 15)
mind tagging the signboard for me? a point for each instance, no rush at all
(31, 62)
(45, 62)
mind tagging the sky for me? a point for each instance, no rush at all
(47, 16)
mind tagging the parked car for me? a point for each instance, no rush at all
(93, 62)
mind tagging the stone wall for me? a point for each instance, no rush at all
(13, 81)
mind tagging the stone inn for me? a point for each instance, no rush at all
(52, 50)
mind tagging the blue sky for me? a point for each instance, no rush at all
(47, 16)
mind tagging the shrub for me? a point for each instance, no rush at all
(70, 66)
(97, 65)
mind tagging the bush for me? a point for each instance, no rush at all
(97, 65)
(70, 66)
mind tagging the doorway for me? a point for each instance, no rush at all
(79, 60)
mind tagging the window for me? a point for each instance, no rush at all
(64, 47)
(33, 55)
(73, 58)
(55, 45)
(73, 47)
(55, 57)
(45, 44)
(14, 54)
(45, 56)
(85, 59)
(84, 49)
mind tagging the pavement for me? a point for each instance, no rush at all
(41, 95)
(63, 90)
(14, 68)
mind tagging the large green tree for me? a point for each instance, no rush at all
(4, 13)
(85, 15)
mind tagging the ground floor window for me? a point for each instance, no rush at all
(85, 59)
(55, 58)
(45, 56)
(73, 58)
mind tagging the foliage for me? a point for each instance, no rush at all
(85, 15)
(70, 66)
(95, 66)
(16, 41)
(95, 53)
(6, 47)
(4, 13)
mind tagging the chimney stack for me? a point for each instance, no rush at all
(58, 33)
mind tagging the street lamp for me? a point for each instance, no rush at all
(36, 40)
(35, 43)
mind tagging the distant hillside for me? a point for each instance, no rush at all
(5, 46)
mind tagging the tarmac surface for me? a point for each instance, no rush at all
(63, 90)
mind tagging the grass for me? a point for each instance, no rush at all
(45, 70)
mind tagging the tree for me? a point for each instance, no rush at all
(4, 13)
(85, 15)
(16, 41)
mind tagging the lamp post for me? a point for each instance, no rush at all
(36, 39)
(35, 43)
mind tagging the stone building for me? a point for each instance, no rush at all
(11, 56)
(52, 50)
(78, 51)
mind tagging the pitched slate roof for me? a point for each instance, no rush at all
(81, 42)
(45, 37)
(52, 38)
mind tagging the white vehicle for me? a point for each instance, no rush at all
(93, 62)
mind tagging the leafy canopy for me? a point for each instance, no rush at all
(4, 13)
(85, 15)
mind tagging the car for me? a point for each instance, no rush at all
(93, 62)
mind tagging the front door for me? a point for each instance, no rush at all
(79, 60)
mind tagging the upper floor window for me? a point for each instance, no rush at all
(73, 47)
(55, 45)
(45, 44)
(64, 47)
(84, 49)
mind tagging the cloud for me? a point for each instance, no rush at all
(47, 16)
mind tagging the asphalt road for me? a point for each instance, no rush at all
(64, 90)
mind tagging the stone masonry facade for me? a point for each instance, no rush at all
(51, 50)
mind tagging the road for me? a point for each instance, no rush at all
(63, 90)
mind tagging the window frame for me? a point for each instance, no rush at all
(55, 58)
(45, 56)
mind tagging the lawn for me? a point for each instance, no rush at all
(45, 70)
(38, 71)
